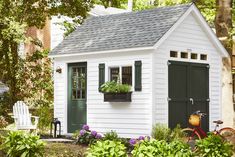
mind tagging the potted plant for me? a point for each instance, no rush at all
(116, 92)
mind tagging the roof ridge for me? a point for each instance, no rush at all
(142, 11)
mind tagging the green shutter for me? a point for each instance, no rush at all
(101, 74)
(138, 75)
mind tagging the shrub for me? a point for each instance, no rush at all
(152, 147)
(177, 134)
(86, 136)
(114, 87)
(213, 145)
(107, 148)
(113, 136)
(161, 132)
(17, 144)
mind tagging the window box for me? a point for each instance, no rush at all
(117, 97)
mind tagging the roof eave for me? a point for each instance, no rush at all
(101, 52)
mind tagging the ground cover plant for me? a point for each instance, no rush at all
(21, 144)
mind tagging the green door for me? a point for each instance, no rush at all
(188, 92)
(77, 110)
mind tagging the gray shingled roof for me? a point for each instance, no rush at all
(120, 31)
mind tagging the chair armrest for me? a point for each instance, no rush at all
(36, 117)
(14, 117)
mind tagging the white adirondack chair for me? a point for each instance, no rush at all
(22, 117)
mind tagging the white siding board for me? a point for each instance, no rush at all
(188, 35)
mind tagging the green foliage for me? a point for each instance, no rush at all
(15, 18)
(112, 136)
(213, 145)
(76, 134)
(3, 122)
(36, 86)
(152, 147)
(107, 148)
(114, 87)
(161, 132)
(176, 133)
(20, 144)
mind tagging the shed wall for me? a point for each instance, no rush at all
(188, 37)
(127, 119)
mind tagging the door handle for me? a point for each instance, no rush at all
(191, 100)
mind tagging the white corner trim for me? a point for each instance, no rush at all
(203, 23)
(103, 52)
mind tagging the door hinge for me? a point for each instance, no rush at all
(168, 63)
(208, 100)
(208, 66)
(168, 99)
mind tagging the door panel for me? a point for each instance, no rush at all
(178, 93)
(76, 96)
(188, 92)
(199, 91)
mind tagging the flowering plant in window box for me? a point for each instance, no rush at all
(116, 92)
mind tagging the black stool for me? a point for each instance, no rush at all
(55, 122)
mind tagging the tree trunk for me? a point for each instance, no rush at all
(223, 24)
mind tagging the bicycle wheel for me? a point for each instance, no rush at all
(190, 136)
(228, 134)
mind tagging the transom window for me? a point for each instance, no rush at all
(122, 74)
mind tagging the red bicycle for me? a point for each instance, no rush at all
(196, 132)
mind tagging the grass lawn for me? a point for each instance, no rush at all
(64, 150)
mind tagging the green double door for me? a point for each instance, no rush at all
(188, 92)
(77, 93)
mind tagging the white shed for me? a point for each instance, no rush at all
(170, 57)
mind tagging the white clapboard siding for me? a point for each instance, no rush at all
(134, 117)
(189, 35)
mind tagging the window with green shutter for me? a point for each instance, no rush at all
(101, 74)
(138, 75)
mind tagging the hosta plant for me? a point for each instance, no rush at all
(155, 148)
(20, 144)
(107, 148)
(213, 145)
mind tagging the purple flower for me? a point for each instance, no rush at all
(93, 133)
(82, 132)
(85, 127)
(141, 138)
(98, 136)
(132, 141)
